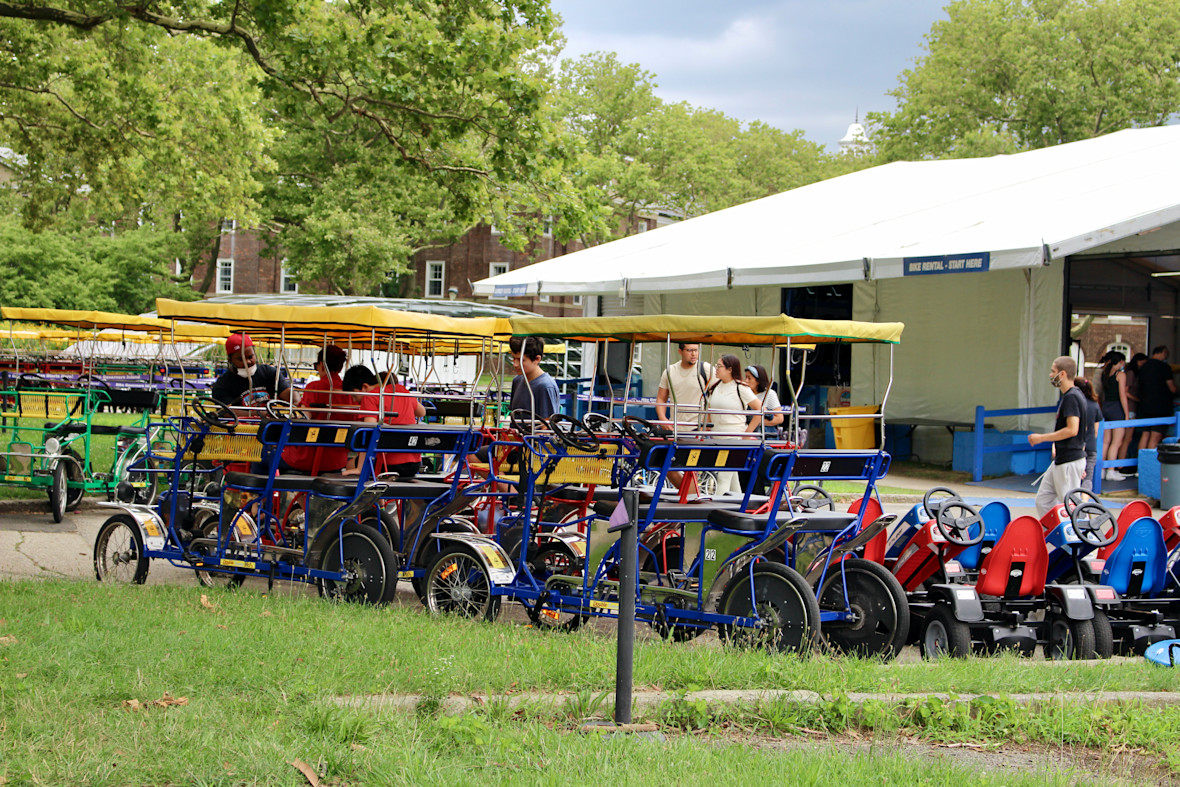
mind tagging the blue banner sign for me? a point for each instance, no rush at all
(510, 290)
(947, 263)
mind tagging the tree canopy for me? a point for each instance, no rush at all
(1006, 75)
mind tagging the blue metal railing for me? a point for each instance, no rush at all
(981, 415)
(1173, 421)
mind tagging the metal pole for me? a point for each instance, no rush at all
(625, 659)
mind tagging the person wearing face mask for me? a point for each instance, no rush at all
(247, 382)
(1068, 438)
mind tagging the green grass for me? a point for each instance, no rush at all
(261, 675)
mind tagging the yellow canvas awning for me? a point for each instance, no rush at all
(96, 320)
(774, 329)
(330, 321)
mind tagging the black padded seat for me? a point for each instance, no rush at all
(288, 482)
(577, 494)
(815, 521)
(671, 511)
(401, 489)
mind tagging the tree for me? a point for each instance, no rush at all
(1008, 75)
(417, 103)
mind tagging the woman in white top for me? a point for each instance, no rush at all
(727, 397)
(768, 403)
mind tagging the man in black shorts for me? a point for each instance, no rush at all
(1157, 390)
(1068, 438)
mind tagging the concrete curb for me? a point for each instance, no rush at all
(650, 700)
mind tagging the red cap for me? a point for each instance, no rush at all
(237, 341)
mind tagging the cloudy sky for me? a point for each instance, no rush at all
(795, 64)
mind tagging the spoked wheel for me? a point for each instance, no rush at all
(782, 602)
(706, 483)
(881, 616)
(367, 559)
(458, 584)
(58, 491)
(944, 635)
(118, 552)
(1103, 635)
(76, 477)
(1068, 639)
(678, 632)
(205, 526)
(140, 484)
(557, 559)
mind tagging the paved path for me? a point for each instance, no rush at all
(31, 545)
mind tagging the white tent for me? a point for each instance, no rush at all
(970, 339)
(1018, 211)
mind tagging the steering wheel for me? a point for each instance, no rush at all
(955, 520)
(280, 409)
(573, 432)
(1079, 497)
(524, 422)
(222, 417)
(937, 497)
(809, 497)
(37, 380)
(600, 423)
(638, 429)
(1089, 518)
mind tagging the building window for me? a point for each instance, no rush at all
(642, 226)
(495, 230)
(547, 227)
(228, 226)
(497, 269)
(543, 298)
(225, 275)
(179, 267)
(287, 282)
(436, 279)
(576, 300)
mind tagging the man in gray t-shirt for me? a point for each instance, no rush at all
(684, 384)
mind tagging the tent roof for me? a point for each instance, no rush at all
(1016, 211)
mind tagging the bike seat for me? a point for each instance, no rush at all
(402, 489)
(672, 511)
(282, 483)
(812, 521)
(1138, 567)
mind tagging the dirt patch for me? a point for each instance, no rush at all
(1076, 764)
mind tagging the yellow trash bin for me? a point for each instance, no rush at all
(855, 432)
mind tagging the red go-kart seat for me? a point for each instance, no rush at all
(875, 549)
(1171, 525)
(1017, 564)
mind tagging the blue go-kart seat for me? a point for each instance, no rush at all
(995, 516)
(1138, 566)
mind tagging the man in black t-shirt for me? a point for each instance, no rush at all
(247, 382)
(1068, 438)
(1157, 390)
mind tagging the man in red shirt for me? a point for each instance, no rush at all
(324, 399)
(399, 406)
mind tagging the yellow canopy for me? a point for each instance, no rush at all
(331, 321)
(95, 320)
(712, 329)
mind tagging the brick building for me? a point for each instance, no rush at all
(244, 268)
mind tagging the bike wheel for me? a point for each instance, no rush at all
(1068, 639)
(143, 484)
(58, 491)
(76, 476)
(782, 601)
(367, 555)
(876, 598)
(205, 526)
(557, 559)
(457, 584)
(944, 635)
(118, 552)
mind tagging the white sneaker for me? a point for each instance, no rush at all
(1114, 475)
